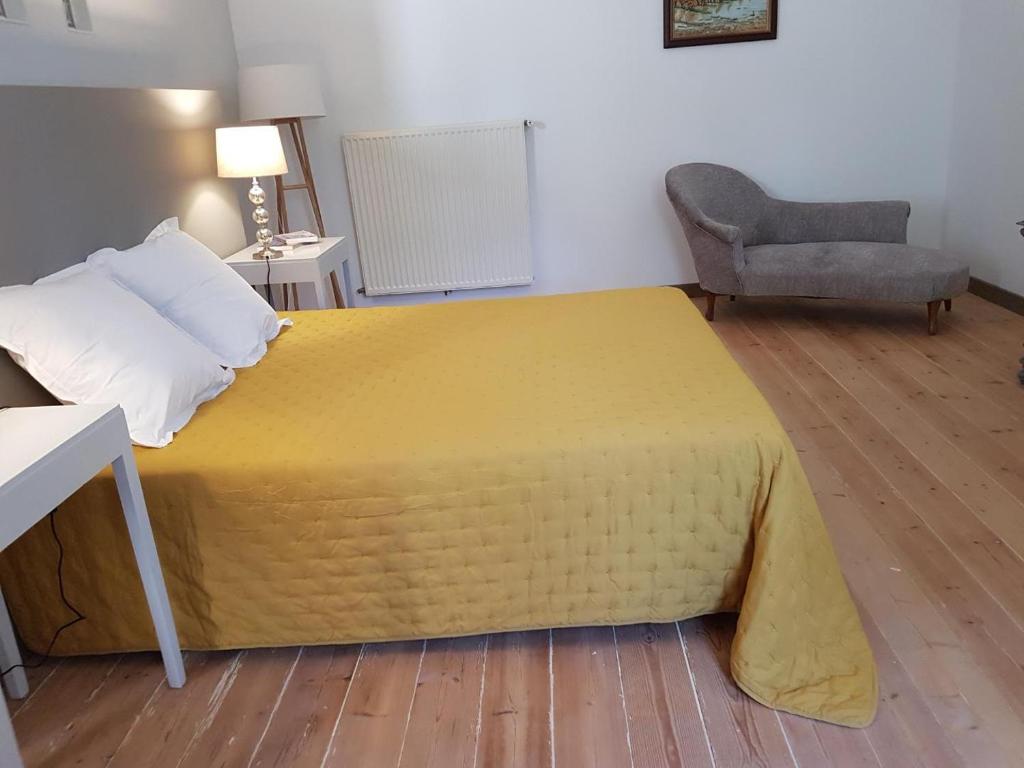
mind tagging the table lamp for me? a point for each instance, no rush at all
(283, 94)
(252, 151)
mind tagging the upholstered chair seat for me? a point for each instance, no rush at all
(745, 242)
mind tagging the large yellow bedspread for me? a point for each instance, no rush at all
(472, 467)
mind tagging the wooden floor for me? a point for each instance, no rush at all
(915, 448)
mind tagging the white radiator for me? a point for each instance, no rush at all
(441, 209)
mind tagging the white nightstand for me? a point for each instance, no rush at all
(48, 453)
(306, 264)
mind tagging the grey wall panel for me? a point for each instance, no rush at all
(86, 168)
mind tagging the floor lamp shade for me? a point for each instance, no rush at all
(279, 91)
(284, 94)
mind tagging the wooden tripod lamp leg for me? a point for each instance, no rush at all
(282, 224)
(282, 206)
(306, 169)
(302, 154)
(339, 301)
(299, 137)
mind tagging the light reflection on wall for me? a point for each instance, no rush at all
(189, 108)
(209, 208)
(211, 214)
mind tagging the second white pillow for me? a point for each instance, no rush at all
(188, 284)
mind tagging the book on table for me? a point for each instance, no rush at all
(289, 240)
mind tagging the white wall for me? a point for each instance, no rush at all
(133, 43)
(852, 101)
(986, 184)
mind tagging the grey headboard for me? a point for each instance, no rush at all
(85, 168)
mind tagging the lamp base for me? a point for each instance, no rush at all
(267, 254)
(261, 216)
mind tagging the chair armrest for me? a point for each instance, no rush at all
(883, 221)
(686, 209)
(717, 248)
(727, 233)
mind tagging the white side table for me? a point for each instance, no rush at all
(314, 264)
(48, 453)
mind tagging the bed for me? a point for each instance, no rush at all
(443, 470)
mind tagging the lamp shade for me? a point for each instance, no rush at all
(279, 90)
(250, 150)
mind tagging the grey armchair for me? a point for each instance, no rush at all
(745, 242)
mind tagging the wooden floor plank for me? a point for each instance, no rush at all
(995, 506)
(300, 730)
(97, 724)
(74, 683)
(999, 420)
(957, 353)
(373, 723)
(590, 724)
(992, 327)
(741, 731)
(514, 725)
(45, 725)
(889, 361)
(37, 677)
(909, 628)
(442, 731)
(1000, 364)
(167, 723)
(238, 714)
(665, 724)
(950, 403)
(848, 749)
(905, 732)
(958, 401)
(803, 740)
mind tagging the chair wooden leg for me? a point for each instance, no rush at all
(709, 311)
(933, 317)
(949, 305)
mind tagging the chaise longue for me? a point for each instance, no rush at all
(745, 242)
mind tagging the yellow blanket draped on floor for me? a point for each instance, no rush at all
(440, 470)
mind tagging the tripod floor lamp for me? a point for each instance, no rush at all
(283, 94)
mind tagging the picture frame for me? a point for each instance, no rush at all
(712, 22)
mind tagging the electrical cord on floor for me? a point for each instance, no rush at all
(79, 616)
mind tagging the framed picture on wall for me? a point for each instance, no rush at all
(707, 22)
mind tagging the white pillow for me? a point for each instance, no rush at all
(74, 269)
(88, 340)
(188, 284)
(165, 226)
